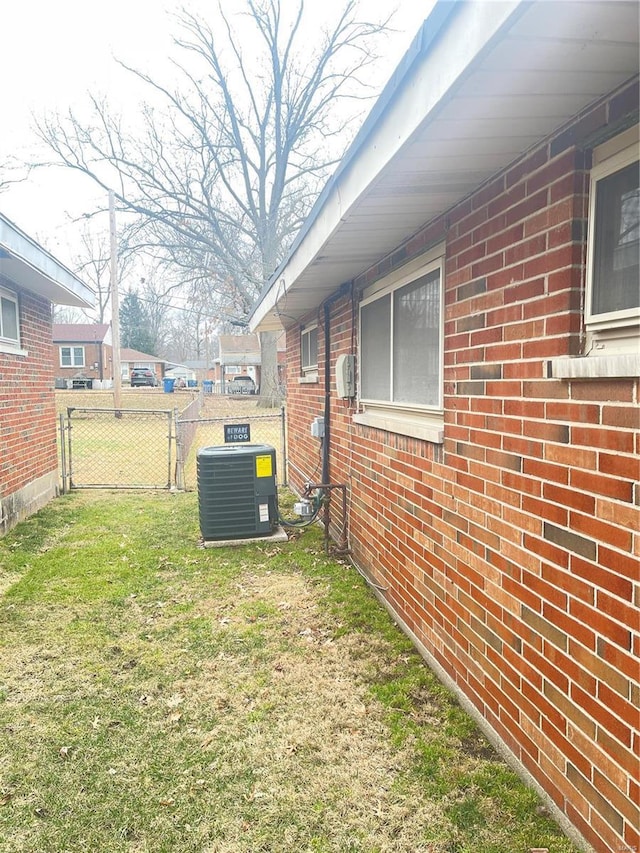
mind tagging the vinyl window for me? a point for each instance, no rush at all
(9, 318)
(613, 246)
(309, 349)
(401, 351)
(71, 356)
(401, 344)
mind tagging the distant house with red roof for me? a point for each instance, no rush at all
(83, 356)
(82, 351)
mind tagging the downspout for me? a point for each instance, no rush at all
(343, 290)
(326, 487)
(327, 390)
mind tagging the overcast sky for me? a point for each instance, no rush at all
(52, 52)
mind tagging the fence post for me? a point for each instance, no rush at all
(179, 453)
(70, 456)
(171, 416)
(63, 455)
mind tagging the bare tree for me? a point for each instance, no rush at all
(92, 262)
(12, 171)
(68, 314)
(224, 173)
(157, 287)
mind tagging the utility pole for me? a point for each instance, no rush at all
(115, 305)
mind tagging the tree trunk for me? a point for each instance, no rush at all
(270, 390)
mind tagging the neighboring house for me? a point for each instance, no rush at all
(31, 282)
(81, 352)
(240, 354)
(130, 358)
(477, 253)
(180, 371)
(200, 368)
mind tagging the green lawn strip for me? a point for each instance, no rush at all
(486, 795)
(159, 696)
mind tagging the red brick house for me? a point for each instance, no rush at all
(466, 291)
(82, 351)
(31, 282)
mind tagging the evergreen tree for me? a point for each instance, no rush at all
(135, 328)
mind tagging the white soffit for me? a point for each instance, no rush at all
(498, 79)
(28, 265)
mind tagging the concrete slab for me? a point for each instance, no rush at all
(279, 535)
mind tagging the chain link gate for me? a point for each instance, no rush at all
(116, 449)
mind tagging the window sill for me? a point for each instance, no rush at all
(595, 367)
(13, 350)
(310, 379)
(426, 427)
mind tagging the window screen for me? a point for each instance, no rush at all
(617, 239)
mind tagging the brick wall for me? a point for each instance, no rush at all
(27, 414)
(510, 553)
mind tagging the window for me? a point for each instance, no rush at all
(400, 334)
(9, 318)
(309, 349)
(616, 242)
(401, 342)
(613, 268)
(612, 298)
(71, 356)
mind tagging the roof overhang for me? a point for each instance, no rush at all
(483, 83)
(29, 266)
(239, 358)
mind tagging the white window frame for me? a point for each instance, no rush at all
(309, 371)
(419, 421)
(7, 344)
(72, 348)
(616, 332)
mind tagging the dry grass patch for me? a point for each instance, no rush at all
(131, 398)
(156, 696)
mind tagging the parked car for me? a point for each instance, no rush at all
(242, 385)
(143, 376)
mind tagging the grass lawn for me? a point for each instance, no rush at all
(160, 697)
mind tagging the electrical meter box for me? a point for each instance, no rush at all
(317, 427)
(346, 376)
(237, 491)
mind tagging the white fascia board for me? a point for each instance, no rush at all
(29, 265)
(426, 87)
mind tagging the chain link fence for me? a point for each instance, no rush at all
(124, 448)
(157, 448)
(210, 431)
(186, 428)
